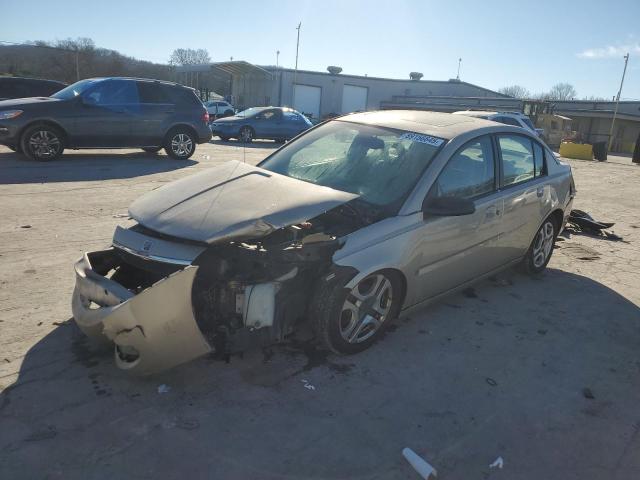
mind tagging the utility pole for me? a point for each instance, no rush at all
(77, 64)
(615, 111)
(295, 72)
(459, 62)
(277, 58)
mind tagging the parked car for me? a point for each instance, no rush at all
(219, 108)
(275, 123)
(107, 113)
(516, 119)
(357, 220)
(19, 87)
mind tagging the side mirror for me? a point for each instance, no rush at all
(448, 206)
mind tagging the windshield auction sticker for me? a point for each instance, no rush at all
(416, 137)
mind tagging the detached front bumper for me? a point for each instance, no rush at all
(152, 331)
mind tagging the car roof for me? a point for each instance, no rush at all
(437, 124)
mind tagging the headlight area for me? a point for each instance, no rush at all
(231, 297)
(254, 293)
(8, 114)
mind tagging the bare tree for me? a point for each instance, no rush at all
(516, 91)
(562, 91)
(189, 56)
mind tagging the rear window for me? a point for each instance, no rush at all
(152, 93)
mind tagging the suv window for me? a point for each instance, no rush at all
(292, 116)
(183, 96)
(113, 92)
(152, 93)
(470, 172)
(518, 162)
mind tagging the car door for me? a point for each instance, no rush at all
(267, 123)
(108, 115)
(457, 249)
(525, 190)
(156, 112)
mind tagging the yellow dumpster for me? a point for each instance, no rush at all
(582, 151)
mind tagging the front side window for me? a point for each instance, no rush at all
(518, 164)
(378, 164)
(268, 115)
(470, 173)
(114, 92)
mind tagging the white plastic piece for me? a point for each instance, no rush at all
(426, 471)
(499, 462)
(164, 388)
(259, 304)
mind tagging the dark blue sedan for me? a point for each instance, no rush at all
(275, 123)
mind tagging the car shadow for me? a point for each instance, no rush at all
(79, 166)
(556, 334)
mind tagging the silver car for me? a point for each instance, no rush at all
(348, 226)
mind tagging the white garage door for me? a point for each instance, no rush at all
(354, 99)
(306, 100)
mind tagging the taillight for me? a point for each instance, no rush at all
(205, 117)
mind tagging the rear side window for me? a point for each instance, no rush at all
(518, 161)
(470, 173)
(184, 96)
(538, 159)
(152, 93)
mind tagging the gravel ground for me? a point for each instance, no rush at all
(543, 372)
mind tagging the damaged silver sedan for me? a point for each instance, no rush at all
(355, 221)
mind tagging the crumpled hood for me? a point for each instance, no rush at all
(233, 201)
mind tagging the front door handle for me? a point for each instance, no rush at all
(540, 191)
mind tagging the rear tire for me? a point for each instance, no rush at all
(180, 143)
(152, 149)
(541, 249)
(43, 143)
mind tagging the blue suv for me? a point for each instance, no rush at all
(107, 113)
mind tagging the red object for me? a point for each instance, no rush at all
(205, 117)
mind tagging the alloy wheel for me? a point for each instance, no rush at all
(366, 308)
(181, 145)
(246, 135)
(543, 244)
(45, 144)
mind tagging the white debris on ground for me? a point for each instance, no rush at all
(307, 385)
(419, 464)
(164, 388)
(498, 463)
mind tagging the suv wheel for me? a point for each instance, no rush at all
(180, 144)
(42, 142)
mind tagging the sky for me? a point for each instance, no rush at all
(535, 44)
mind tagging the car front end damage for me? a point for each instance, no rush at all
(162, 302)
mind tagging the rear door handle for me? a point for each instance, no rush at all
(540, 191)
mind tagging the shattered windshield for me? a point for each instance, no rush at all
(379, 164)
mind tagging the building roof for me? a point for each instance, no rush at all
(437, 124)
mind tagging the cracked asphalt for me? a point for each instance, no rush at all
(543, 372)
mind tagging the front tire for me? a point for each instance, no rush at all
(180, 144)
(43, 143)
(539, 253)
(246, 134)
(348, 321)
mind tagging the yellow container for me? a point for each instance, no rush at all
(582, 151)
